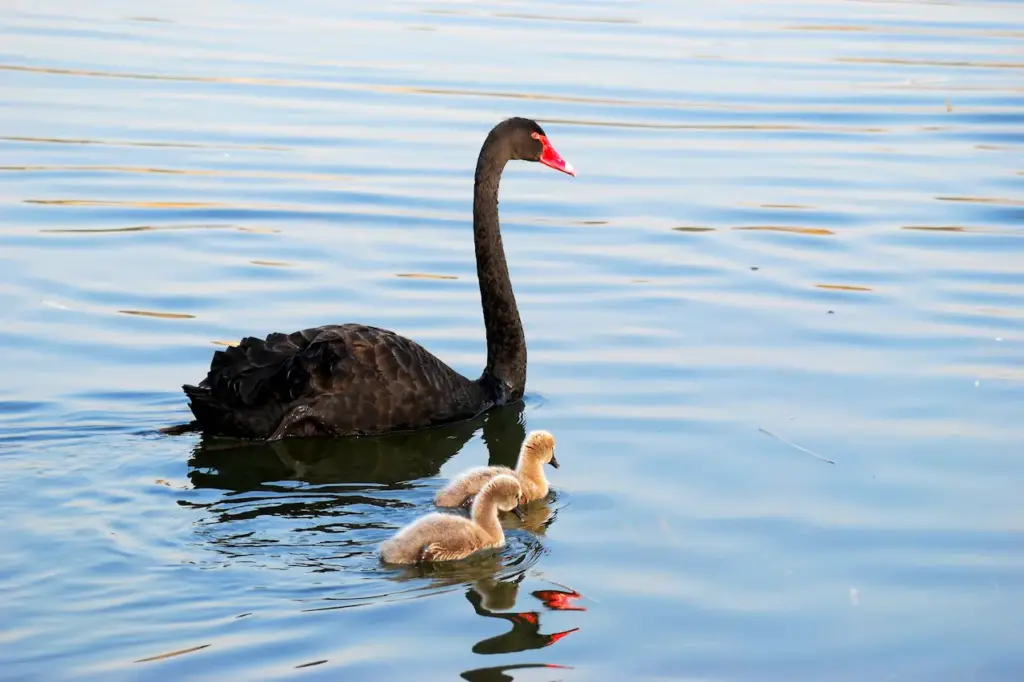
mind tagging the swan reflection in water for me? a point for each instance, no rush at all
(354, 479)
(489, 596)
(394, 460)
(351, 490)
(499, 673)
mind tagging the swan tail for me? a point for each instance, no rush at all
(208, 411)
(179, 429)
(215, 416)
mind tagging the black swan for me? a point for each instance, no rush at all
(352, 379)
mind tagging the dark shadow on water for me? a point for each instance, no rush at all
(538, 516)
(326, 504)
(390, 460)
(493, 598)
(489, 595)
(499, 673)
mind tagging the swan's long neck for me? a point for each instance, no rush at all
(529, 467)
(485, 514)
(506, 343)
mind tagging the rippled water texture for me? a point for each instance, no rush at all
(797, 235)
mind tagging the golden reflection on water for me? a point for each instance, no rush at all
(998, 147)
(147, 76)
(133, 204)
(445, 12)
(389, 211)
(831, 27)
(794, 207)
(582, 20)
(464, 92)
(151, 313)
(541, 220)
(424, 275)
(135, 228)
(1002, 312)
(171, 654)
(327, 177)
(930, 62)
(965, 228)
(259, 230)
(931, 31)
(765, 127)
(539, 97)
(984, 200)
(843, 287)
(524, 15)
(326, 85)
(158, 228)
(131, 143)
(787, 228)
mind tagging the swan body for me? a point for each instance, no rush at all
(538, 449)
(448, 537)
(354, 379)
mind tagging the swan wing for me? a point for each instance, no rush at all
(356, 378)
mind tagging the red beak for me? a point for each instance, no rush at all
(558, 600)
(551, 158)
(559, 635)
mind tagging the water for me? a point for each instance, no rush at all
(797, 233)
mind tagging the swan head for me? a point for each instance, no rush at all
(506, 493)
(540, 445)
(529, 142)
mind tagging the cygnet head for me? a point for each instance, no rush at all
(540, 445)
(505, 491)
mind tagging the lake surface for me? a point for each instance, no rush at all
(797, 235)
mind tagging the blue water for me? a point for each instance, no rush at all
(797, 235)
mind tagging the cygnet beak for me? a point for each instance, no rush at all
(553, 462)
(517, 510)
